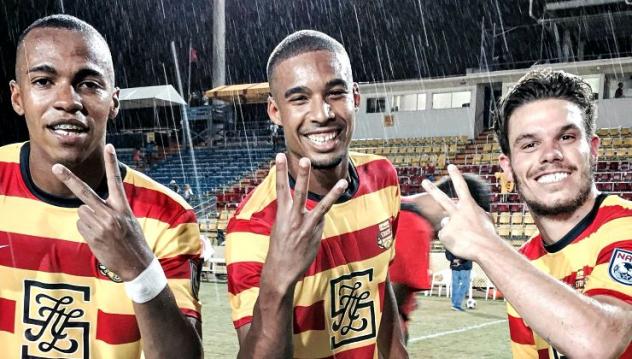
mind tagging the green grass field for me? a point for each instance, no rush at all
(435, 330)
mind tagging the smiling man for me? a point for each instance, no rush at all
(569, 292)
(81, 277)
(308, 251)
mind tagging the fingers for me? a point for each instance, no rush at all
(116, 192)
(301, 188)
(444, 201)
(317, 214)
(282, 185)
(460, 186)
(78, 188)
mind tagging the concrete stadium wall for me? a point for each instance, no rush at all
(465, 121)
(614, 112)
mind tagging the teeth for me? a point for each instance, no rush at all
(322, 137)
(65, 126)
(553, 177)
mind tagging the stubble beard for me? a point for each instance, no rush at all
(561, 208)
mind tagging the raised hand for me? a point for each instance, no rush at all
(296, 233)
(108, 226)
(467, 227)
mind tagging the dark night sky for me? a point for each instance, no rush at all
(386, 39)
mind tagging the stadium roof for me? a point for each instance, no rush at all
(149, 97)
(242, 93)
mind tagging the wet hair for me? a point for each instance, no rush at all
(542, 84)
(304, 41)
(62, 21)
(479, 189)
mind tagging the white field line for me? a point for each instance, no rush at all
(461, 330)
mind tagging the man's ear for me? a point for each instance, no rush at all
(116, 104)
(595, 142)
(16, 98)
(505, 164)
(356, 96)
(273, 111)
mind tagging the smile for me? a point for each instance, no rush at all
(323, 137)
(66, 129)
(552, 177)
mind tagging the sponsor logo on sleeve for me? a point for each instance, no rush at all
(620, 268)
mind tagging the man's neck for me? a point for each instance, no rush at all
(321, 181)
(554, 228)
(91, 171)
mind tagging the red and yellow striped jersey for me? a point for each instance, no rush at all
(591, 258)
(338, 302)
(56, 299)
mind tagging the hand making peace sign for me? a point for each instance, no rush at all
(108, 226)
(296, 232)
(467, 227)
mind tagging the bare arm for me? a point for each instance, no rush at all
(390, 340)
(165, 331)
(116, 239)
(575, 324)
(294, 243)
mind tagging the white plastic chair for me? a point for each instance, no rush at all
(440, 279)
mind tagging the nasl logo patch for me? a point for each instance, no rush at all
(621, 266)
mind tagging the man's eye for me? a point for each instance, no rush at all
(528, 146)
(91, 85)
(41, 82)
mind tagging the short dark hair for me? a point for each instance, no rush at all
(61, 21)
(301, 42)
(541, 84)
(479, 189)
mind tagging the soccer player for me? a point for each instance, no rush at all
(80, 275)
(419, 219)
(409, 270)
(569, 288)
(308, 253)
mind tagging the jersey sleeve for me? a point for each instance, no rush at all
(179, 248)
(612, 273)
(246, 250)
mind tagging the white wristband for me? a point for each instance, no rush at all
(148, 284)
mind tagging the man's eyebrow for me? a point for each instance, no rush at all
(524, 136)
(42, 68)
(294, 90)
(570, 126)
(336, 82)
(83, 73)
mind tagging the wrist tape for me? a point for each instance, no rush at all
(148, 284)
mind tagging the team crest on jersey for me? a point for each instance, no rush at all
(385, 235)
(108, 273)
(352, 308)
(620, 268)
(55, 321)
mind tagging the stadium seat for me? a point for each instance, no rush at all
(441, 279)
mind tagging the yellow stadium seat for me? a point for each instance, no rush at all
(504, 231)
(528, 218)
(504, 218)
(606, 142)
(602, 132)
(517, 231)
(516, 218)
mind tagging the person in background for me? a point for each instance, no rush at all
(461, 270)
(187, 192)
(619, 92)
